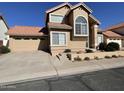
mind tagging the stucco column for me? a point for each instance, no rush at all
(94, 39)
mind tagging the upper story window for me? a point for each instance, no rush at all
(56, 18)
(81, 26)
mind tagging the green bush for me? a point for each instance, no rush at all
(87, 58)
(68, 56)
(89, 51)
(102, 46)
(4, 49)
(77, 58)
(112, 46)
(67, 50)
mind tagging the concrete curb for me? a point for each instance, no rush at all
(26, 80)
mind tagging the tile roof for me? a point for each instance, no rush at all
(111, 34)
(26, 31)
(59, 26)
(115, 26)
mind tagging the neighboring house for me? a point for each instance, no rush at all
(115, 34)
(3, 30)
(67, 27)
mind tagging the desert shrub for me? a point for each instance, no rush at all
(102, 46)
(77, 58)
(60, 54)
(86, 58)
(67, 50)
(79, 52)
(112, 46)
(107, 57)
(96, 58)
(4, 49)
(68, 56)
(58, 57)
(114, 56)
(120, 56)
(89, 51)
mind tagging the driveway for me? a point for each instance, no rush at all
(25, 65)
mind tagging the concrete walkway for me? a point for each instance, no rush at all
(28, 66)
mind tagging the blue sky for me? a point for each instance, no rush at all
(33, 14)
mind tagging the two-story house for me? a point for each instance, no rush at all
(71, 27)
(67, 27)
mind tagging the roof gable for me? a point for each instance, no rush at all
(57, 7)
(83, 5)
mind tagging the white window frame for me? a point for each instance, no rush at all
(99, 35)
(51, 38)
(54, 15)
(75, 28)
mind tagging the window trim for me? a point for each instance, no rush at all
(54, 15)
(99, 35)
(51, 38)
(86, 35)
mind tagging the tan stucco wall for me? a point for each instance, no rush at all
(93, 36)
(62, 11)
(73, 45)
(26, 45)
(76, 13)
(80, 12)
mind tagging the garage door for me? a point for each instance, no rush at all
(116, 41)
(27, 44)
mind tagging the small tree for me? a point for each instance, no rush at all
(102, 46)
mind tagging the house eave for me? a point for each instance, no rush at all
(95, 19)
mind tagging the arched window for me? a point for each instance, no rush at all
(80, 26)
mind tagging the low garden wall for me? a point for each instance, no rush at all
(96, 54)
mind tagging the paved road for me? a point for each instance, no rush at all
(104, 80)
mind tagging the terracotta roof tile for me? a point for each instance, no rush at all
(111, 34)
(116, 26)
(59, 26)
(26, 31)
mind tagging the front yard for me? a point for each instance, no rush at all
(96, 55)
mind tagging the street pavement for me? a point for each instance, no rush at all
(104, 80)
